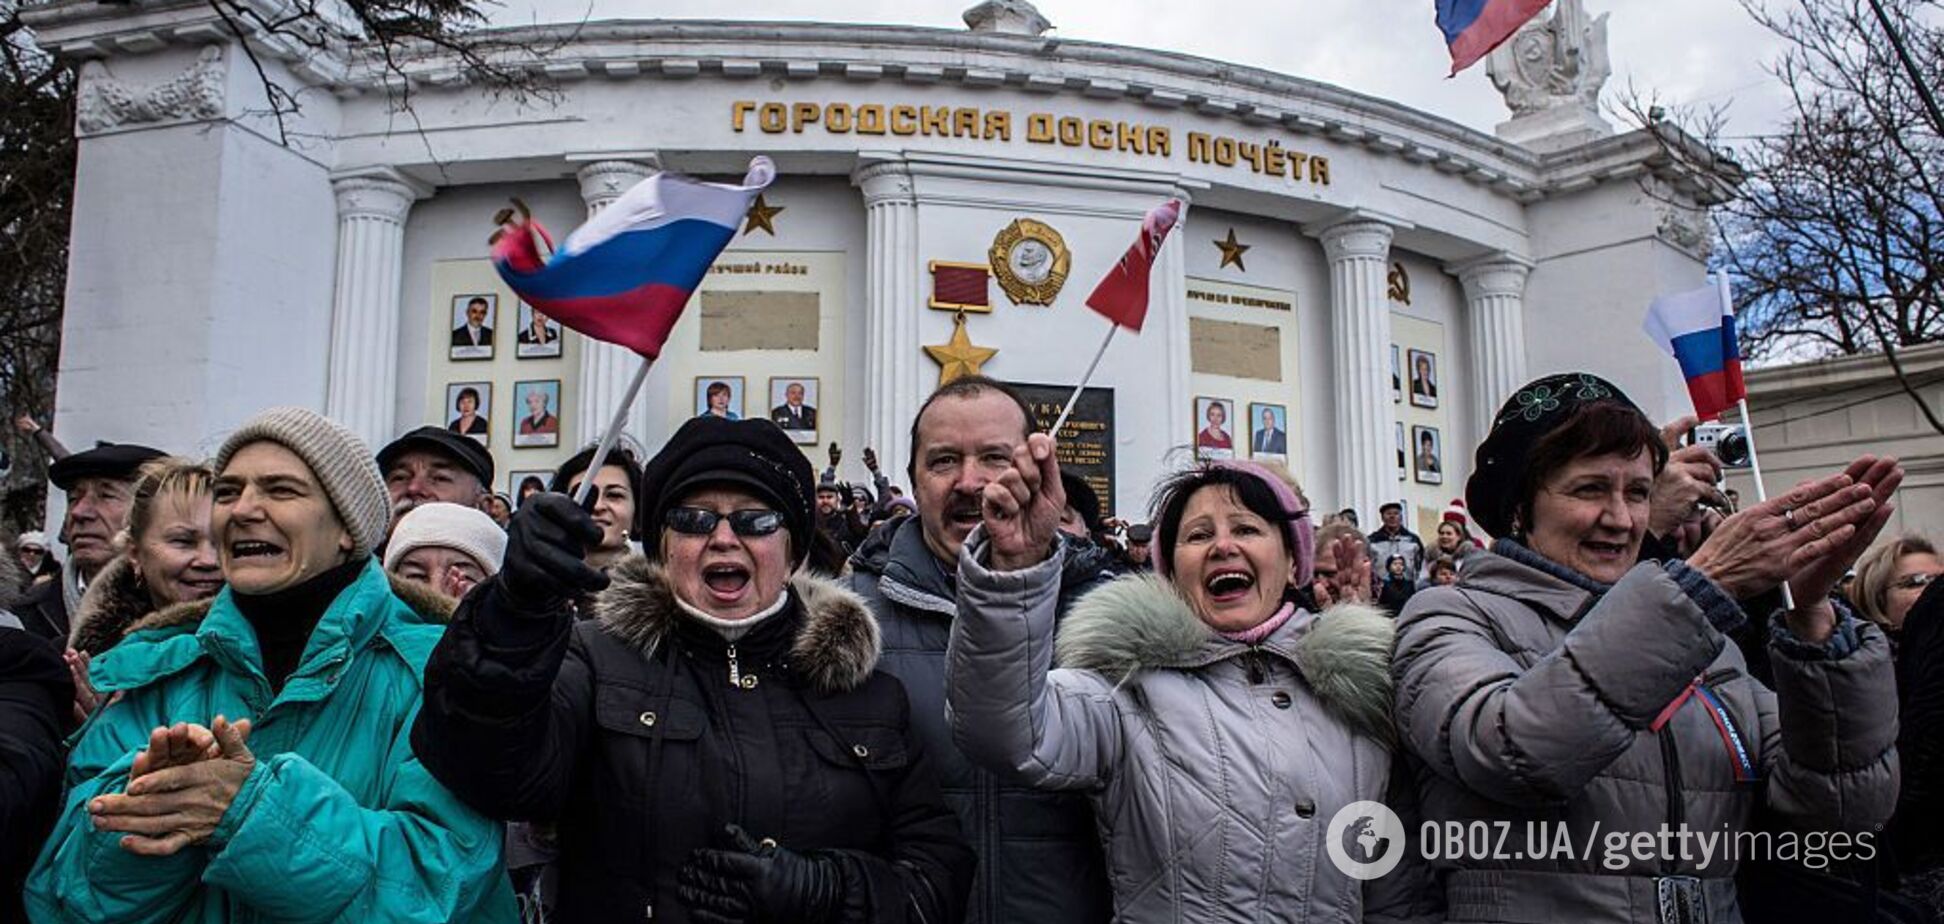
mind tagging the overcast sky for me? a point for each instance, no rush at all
(1689, 51)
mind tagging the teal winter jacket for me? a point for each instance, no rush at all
(337, 822)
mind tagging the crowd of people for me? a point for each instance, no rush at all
(306, 681)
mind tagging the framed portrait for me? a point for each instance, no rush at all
(536, 405)
(1427, 455)
(1403, 455)
(474, 315)
(521, 485)
(1397, 378)
(793, 406)
(1214, 426)
(469, 409)
(539, 336)
(721, 395)
(1424, 378)
(1269, 432)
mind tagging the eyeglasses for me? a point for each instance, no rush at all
(695, 521)
(1913, 581)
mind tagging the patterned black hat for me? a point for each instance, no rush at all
(1533, 411)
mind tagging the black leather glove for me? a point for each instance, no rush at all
(546, 554)
(760, 884)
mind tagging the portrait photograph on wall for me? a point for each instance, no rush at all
(793, 406)
(473, 318)
(470, 405)
(1429, 458)
(539, 335)
(521, 485)
(1397, 378)
(1269, 432)
(721, 395)
(1424, 378)
(1213, 439)
(538, 404)
(1403, 457)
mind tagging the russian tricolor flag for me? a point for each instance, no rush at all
(1472, 28)
(1698, 329)
(625, 275)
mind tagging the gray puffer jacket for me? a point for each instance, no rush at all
(1217, 769)
(1532, 700)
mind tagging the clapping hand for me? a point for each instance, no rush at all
(1353, 576)
(178, 805)
(1802, 537)
(1022, 507)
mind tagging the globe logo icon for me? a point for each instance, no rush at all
(1365, 840)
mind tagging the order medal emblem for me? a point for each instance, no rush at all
(1031, 261)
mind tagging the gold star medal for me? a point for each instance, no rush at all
(957, 357)
(761, 215)
(1232, 251)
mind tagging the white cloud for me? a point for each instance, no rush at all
(1690, 51)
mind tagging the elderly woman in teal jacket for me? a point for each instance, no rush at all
(256, 763)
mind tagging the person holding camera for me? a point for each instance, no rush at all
(1563, 680)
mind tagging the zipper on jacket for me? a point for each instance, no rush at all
(735, 669)
(1676, 804)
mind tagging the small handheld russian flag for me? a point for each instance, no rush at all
(625, 276)
(1697, 328)
(1472, 28)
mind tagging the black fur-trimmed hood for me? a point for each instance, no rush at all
(835, 649)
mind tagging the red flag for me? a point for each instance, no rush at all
(1122, 296)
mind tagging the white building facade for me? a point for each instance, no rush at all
(222, 262)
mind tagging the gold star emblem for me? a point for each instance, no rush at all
(761, 215)
(957, 357)
(1232, 251)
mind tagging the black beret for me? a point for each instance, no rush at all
(106, 460)
(1140, 532)
(1491, 494)
(436, 439)
(754, 454)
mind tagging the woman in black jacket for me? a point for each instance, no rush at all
(715, 745)
(36, 703)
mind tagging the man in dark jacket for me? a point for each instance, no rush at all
(1039, 852)
(1392, 539)
(99, 483)
(36, 699)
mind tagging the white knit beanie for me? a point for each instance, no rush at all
(341, 462)
(449, 526)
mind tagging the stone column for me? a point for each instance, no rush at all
(893, 383)
(605, 368)
(1495, 322)
(1360, 336)
(362, 380)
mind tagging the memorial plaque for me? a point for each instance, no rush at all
(1086, 441)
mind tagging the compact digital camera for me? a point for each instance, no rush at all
(1729, 442)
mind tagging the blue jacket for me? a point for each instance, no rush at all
(338, 821)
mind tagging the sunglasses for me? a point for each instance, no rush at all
(1913, 582)
(695, 521)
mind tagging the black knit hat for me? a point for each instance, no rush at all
(1492, 493)
(753, 454)
(106, 460)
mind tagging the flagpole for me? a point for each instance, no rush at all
(1748, 424)
(1085, 377)
(613, 432)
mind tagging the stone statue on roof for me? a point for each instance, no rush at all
(1012, 17)
(1551, 72)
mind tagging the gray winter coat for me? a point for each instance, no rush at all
(1526, 699)
(1217, 769)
